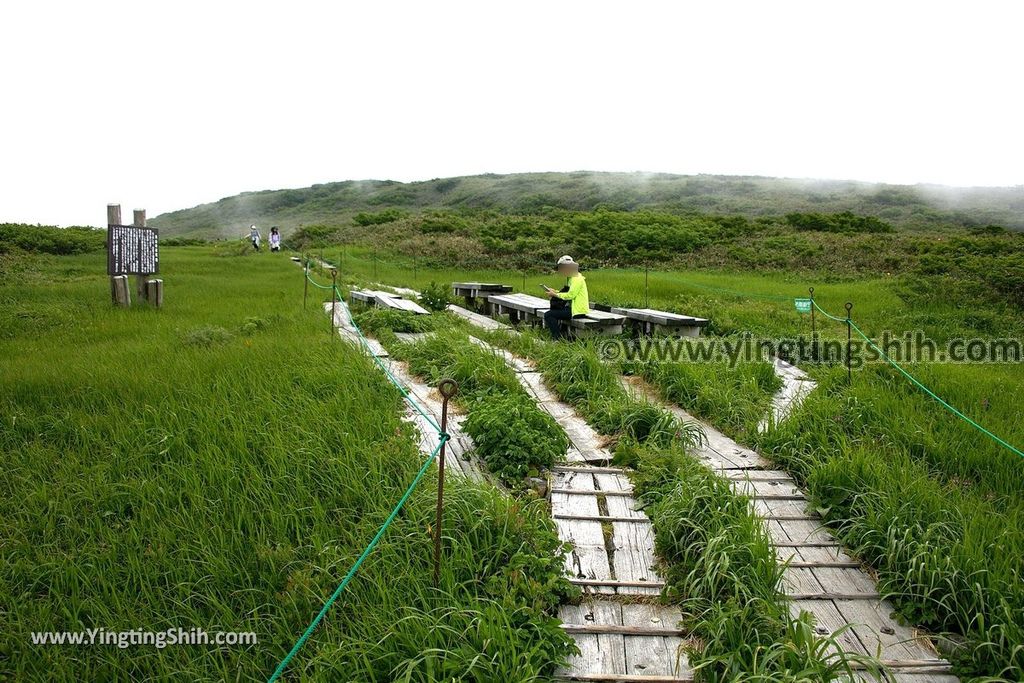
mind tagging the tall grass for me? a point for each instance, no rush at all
(720, 566)
(734, 399)
(219, 464)
(512, 435)
(944, 529)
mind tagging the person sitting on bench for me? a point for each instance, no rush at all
(572, 302)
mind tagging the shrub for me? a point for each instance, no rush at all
(436, 296)
(51, 240)
(206, 337)
(379, 218)
(513, 436)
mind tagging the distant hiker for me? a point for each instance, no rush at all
(572, 301)
(275, 239)
(254, 237)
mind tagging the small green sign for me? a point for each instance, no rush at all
(802, 305)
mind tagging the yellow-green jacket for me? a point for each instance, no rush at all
(578, 295)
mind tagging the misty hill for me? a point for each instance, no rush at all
(918, 207)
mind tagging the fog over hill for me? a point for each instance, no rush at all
(907, 207)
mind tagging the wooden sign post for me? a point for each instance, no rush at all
(132, 250)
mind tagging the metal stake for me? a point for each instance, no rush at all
(334, 295)
(305, 283)
(814, 329)
(849, 342)
(448, 388)
(647, 299)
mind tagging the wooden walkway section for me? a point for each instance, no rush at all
(623, 635)
(819, 577)
(796, 386)
(458, 452)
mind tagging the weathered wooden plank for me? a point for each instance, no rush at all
(833, 596)
(829, 621)
(616, 583)
(537, 387)
(633, 559)
(588, 558)
(774, 509)
(840, 580)
(604, 518)
(625, 630)
(616, 494)
(602, 653)
(800, 581)
(767, 489)
(650, 655)
(625, 678)
(588, 468)
(877, 630)
(481, 321)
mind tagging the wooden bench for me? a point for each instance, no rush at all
(470, 291)
(527, 308)
(371, 297)
(519, 307)
(648, 321)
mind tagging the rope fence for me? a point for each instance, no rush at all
(442, 439)
(916, 382)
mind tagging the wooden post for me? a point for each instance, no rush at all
(140, 279)
(155, 292)
(119, 294)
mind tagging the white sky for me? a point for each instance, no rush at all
(165, 105)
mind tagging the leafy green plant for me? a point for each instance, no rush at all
(436, 296)
(512, 436)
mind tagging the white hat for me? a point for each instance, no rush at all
(565, 259)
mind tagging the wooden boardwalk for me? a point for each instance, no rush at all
(458, 452)
(819, 577)
(622, 633)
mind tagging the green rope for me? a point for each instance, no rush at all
(826, 313)
(315, 283)
(442, 439)
(355, 567)
(931, 393)
(380, 364)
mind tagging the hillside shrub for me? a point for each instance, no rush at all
(46, 239)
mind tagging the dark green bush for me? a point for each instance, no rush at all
(45, 239)
(513, 436)
(379, 218)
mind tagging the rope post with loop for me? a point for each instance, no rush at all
(448, 388)
(305, 283)
(814, 329)
(849, 342)
(334, 296)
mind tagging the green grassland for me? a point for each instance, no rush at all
(219, 464)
